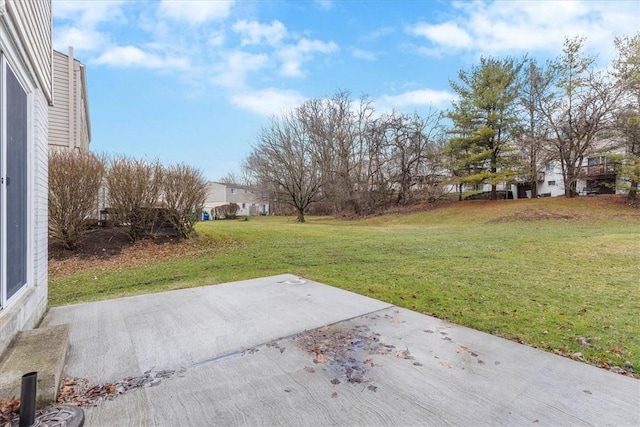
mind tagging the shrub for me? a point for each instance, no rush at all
(134, 189)
(229, 211)
(184, 192)
(74, 181)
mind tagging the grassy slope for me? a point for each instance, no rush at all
(563, 275)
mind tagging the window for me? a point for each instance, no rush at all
(551, 183)
(234, 191)
(596, 160)
(243, 206)
(13, 143)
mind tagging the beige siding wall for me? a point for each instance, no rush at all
(221, 194)
(32, 22)
(215, 194)
(59, 112)
(69, 124)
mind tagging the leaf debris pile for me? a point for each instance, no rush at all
(347, 351)
(9, 409)
(80, 392)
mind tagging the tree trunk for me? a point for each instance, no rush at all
(300, 215)
(571, 189)
(534, 189)
(633, 190)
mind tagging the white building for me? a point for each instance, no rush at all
(26, 93)
(219, 194)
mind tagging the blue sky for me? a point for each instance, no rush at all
(195, 81)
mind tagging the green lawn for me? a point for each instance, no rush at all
(562, 275)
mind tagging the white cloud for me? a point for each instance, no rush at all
(422, 97)
(78, 22)
(499, 27)
(88, 13)
(131, 56)
(195, 11)
(268, 102)
(81, 40)
(252, 33)
(235, 67)
(324, 4)
(292, 56)
(377, 34)
(364, 54)
(448, 34)
(216, 38)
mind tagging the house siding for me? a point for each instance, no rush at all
(32, 20)
(25, 42)
(219, 194)
(69, 116)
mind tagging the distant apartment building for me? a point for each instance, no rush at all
(249, 202)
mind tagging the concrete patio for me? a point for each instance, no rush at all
(239, 354)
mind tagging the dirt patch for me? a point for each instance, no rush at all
(110, 249)
(420, 206)
(535, 215)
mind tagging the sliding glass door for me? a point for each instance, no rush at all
(14, 187)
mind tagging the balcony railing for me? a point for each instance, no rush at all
(600, 169)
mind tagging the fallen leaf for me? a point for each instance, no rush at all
(309, 369)
(319, 358)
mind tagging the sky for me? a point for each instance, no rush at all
(195, 81)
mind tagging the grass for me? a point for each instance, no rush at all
(562, 275)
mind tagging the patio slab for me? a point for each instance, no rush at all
(239, 354)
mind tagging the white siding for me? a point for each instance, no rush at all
(25, 41)
(32, 20)
(221, 194)
(40, 194)
(27, 311)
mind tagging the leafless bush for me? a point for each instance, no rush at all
(74, 181)
(185, 190)
(134, 188)
(229, 211)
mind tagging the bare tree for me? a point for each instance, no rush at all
(531, 133)
(184, 191)
(412, 144)
(286, 161)
(134, 189)
(334, 126)
(578, 108)
(626, 71)
(376, 186)
(74, 181)
(235, 178)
